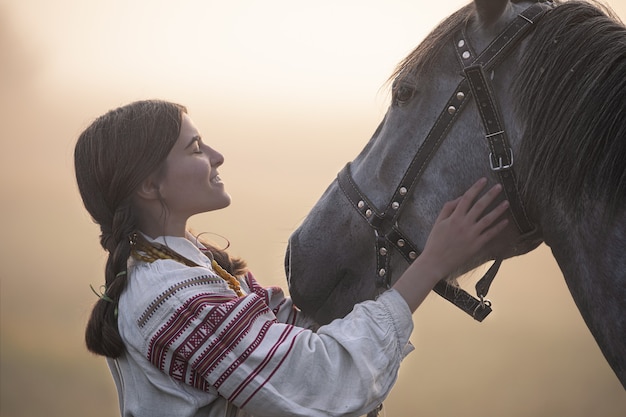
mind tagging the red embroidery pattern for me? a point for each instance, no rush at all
(204, 332)
(198, 342)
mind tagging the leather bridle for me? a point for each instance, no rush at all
(475, 83)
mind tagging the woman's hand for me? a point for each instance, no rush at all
(461, 230)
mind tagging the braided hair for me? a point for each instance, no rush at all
(112, 157)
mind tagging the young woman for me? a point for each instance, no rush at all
(188, 331)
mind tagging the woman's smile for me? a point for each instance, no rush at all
(216, 180)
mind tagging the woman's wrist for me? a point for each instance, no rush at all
(417, 281)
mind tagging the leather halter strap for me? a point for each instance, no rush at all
(385, 223)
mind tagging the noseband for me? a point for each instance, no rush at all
(476, 83)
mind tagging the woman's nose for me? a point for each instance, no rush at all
(216, 158)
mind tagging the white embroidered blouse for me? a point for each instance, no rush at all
(193, 348)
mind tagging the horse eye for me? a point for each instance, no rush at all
(402, 94)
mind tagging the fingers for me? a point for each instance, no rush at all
(467, 199)
(492, 232)
(487, 229)
(479, 207)
(485, 225)
(489, 218)
(473, 209)
(448, 209)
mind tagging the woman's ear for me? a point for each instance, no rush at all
(148, 189)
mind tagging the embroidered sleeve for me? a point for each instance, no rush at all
(281, 306)
(239, 347)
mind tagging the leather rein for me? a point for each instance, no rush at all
(475, 83)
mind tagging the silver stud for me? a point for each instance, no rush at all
(382, 272)
(412, 255)
(402, 191)
(395, 205)
(400, 242)
(461, 43)
(466, 55)
(383, 251)
(368, 213)
(460, 95)
(451, 109)
(361, 204)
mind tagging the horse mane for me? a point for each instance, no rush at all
(440, 36)
(572, 99)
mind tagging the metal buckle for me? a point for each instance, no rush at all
(499, 165)
(484, 303)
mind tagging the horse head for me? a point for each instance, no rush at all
(332, 259)
(560, 95)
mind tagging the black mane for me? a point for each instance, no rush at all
(572, 90)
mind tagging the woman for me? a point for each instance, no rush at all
(183, 336)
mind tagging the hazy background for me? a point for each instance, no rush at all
(288, 91)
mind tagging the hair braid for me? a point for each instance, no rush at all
(102, 334)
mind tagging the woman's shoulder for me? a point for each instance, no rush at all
(155, 290)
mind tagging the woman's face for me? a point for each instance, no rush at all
(190, 183)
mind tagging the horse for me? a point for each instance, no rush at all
(531, 94)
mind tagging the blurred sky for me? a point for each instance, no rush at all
(288, 91)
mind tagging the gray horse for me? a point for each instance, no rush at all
(557, 93)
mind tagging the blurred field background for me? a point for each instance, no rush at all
(288, 91)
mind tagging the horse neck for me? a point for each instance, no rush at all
(590, 253)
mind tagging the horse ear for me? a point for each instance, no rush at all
(490, 10)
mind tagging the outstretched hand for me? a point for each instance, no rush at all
(461, 230)
(463, 227)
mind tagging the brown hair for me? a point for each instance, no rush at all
(112, 157)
